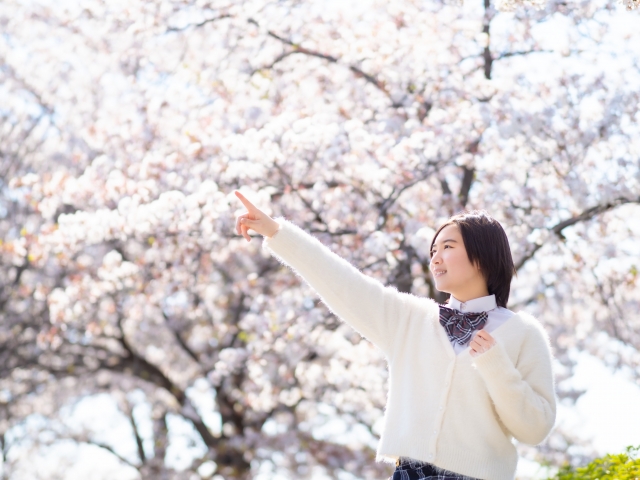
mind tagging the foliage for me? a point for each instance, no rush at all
(624, 466)
(126, 125)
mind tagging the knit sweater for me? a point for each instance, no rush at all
(457, 412)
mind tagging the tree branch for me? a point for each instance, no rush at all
(143, 369)
(593, 211)
(112, 451)
(278, 59)
(179, 339)
(296, 49)
(588, 214)
(289, 180)
(3, 451)
(136, 434)
(486, 55)
(520, 52)
(330, 58)
(467, 180)
(386, 203)
(196, 25)
(445, 187)
(161, 437)
(81, 439)
(337, 233)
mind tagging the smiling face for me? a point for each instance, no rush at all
(451, 268)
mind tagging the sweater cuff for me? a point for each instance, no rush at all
(492, 363)
(283, 239)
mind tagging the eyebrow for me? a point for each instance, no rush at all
(447, 240)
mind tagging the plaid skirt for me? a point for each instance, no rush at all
(409, 469)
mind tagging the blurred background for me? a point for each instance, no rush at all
(140, 338)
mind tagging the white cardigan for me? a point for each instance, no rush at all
(456, 412)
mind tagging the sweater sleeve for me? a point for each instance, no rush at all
(524, 394)
(375, 311)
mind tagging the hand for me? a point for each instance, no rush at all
(255, 219)
(481, 342)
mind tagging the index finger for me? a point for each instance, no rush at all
(249, 206)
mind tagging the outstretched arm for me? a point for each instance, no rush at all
(379, 313)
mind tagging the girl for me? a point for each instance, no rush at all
(465, 378)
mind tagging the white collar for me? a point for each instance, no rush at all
(481, 304)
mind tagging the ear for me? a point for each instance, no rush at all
(477, 267)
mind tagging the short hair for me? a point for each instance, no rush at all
(487, 247)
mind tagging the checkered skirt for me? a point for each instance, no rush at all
(409, 469)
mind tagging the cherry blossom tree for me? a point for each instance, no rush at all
(126, 126)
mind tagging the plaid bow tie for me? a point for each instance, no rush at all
(459, 326)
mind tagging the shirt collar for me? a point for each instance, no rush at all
(482, 304)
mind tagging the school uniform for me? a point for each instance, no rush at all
(446, 410)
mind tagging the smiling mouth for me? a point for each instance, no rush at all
(439, 273)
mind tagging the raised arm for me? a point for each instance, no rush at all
(376, 311)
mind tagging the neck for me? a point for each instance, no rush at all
(468, 296)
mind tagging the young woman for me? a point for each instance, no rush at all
(465, 378)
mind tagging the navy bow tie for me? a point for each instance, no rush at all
(459, 326)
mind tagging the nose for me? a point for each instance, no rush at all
(435, 259)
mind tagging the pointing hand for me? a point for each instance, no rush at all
(255, 219)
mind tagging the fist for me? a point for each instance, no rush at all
(481, 342)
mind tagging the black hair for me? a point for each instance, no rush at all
(487, 247)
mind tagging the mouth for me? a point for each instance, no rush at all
(439, 273)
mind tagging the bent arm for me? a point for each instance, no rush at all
(524, 396)
(374, 310)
